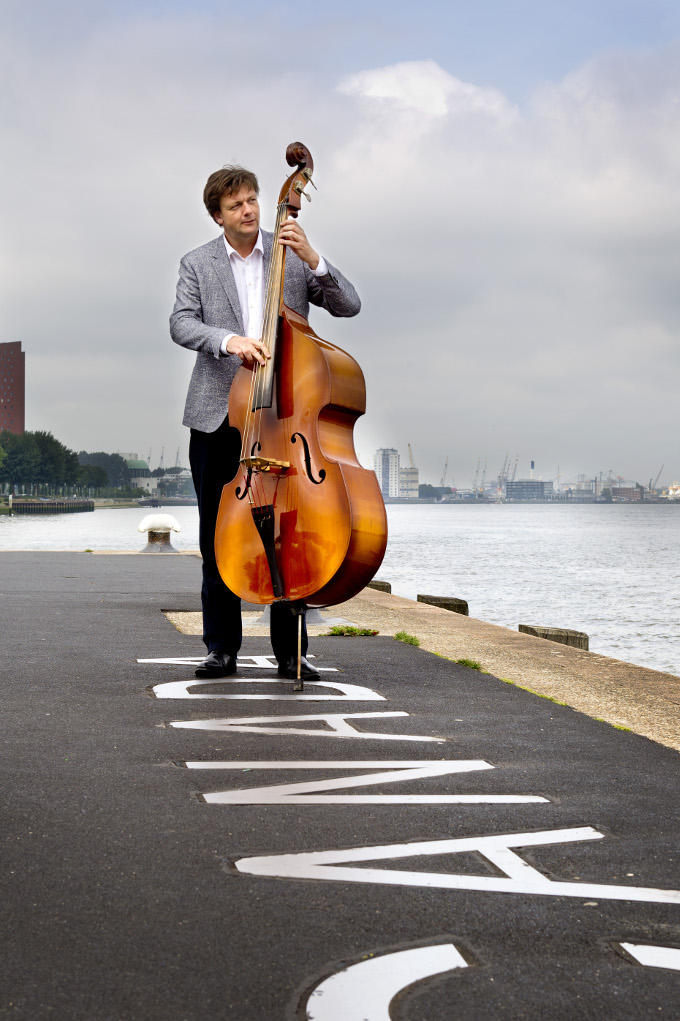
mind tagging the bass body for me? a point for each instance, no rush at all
(328, 528)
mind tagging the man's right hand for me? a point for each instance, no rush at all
(248, 350)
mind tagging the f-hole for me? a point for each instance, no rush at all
(308, 461)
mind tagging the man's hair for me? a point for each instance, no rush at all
(227, 181)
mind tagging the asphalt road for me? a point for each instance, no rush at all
(129, 891)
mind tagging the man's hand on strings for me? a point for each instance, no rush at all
(248, 350)
(292, 235)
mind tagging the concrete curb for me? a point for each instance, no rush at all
(644, 701)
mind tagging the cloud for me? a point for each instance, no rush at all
(545, 244)
(425, 87)
(518, 265)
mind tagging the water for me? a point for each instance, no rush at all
(612, 571)
(107, 529)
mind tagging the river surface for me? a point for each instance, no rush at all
(612, 571)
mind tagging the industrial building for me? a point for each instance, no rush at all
(528, 489)
(386, 467)
(408, 483)
(408, 479)
(396, 483)
(12, 388)
(627, 494)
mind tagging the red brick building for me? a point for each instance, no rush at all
(12, 388)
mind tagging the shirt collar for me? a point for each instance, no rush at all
(259, 247)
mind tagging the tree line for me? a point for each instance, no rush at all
(37, 463)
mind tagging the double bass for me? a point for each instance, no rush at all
(302, 520)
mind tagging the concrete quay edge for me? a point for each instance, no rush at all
(636, 698)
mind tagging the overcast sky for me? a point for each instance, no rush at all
(499, 179)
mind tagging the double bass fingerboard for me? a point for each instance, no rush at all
(263, 375)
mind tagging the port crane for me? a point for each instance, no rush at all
(442, 481)
(503, 477)
(476, 488)
(656, 480)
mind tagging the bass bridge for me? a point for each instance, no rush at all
(265, 464)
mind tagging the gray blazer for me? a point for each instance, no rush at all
(207, 309)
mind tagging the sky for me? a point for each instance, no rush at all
(498, 179)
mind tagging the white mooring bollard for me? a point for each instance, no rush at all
(158, 528)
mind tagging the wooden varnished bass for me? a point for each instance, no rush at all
(302, 520)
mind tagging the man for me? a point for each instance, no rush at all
(218, 314)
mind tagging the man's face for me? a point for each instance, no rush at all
(239, 216)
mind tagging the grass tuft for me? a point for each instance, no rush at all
(471, 663)
(352, 632)
(404, 636)
(538, 694)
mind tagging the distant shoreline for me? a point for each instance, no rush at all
(567, 501)
(111, 504)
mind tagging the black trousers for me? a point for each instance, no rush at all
(214, 459)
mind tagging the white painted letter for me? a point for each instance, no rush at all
(337, 722)
(363, 991)
(520, 877)
(348, 692)
(654, 957)
(309, 792)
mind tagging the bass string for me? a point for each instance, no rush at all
(246, 444)
(247, 425)
(290, 488)
(251, 434)
(264, 373)
(249, 476)
(266, 376)
(257, 378)
(284, 423)
(271, 312)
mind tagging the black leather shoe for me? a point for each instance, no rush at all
(217, 664)
(288, 669)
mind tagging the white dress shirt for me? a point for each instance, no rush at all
(250, 287)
